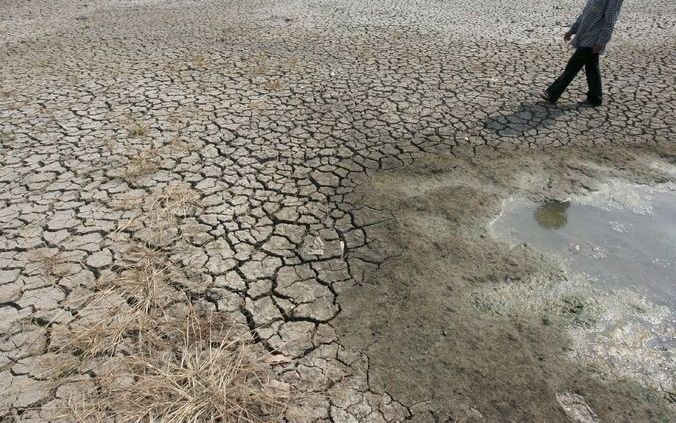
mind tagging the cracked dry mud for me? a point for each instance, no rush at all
(339, 161)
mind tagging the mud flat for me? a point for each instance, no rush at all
(478, 316)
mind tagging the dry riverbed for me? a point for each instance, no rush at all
(338, 193)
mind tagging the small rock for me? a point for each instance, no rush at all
(316, 247)
(576, 408)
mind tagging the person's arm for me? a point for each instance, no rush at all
(608, 23)
(575, 26)
(573, 29)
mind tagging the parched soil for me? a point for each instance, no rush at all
(167, 159)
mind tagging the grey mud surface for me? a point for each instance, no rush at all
(617, 248)
(390, 130)
(466, 327)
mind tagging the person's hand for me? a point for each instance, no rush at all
(597, 47)
(567, 37)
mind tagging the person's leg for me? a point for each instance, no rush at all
(595, 93)
(576, 62)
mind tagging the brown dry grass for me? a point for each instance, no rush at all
(143, 164)
(273, 85)
(153, 357)
(183, 367)
(6, 137)
(261, 67)
(199, 370)
(111, 145)
(175, 200)
(100, 329)
(178, 146)
(138, 129)
(162, 212)
(199, 60)
(169, 362)
(146, 284)
(258, 105)
(51, 263)
(293, 62)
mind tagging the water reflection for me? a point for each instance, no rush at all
(627, 242)
(552, 214)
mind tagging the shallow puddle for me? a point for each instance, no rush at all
(627, 241)
(461, 327)
(618, 249)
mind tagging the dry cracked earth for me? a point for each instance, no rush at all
(262, 117)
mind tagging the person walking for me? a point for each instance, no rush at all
(590, 33)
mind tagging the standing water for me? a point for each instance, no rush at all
(621, 243)
(615, 244)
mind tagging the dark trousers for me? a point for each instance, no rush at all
(583, 56)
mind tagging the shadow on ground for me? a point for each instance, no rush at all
(527, 117)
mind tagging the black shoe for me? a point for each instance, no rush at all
(588, 103)
(546, 97)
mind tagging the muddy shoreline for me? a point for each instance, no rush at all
(429, 342)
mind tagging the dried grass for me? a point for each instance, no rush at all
(153, 357)
(199, 370)
(178, 146)
(138, 129)
(199, 60)
(144, 279)
(273, 85)
(175, 200)
(111, 145)
(103, 320)
(143, 164)
(293, 62)
(52, 264)
(162, 211)
(168, 364)
(262, 65)
(7, 137)
(257, 105)
(177, 367)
